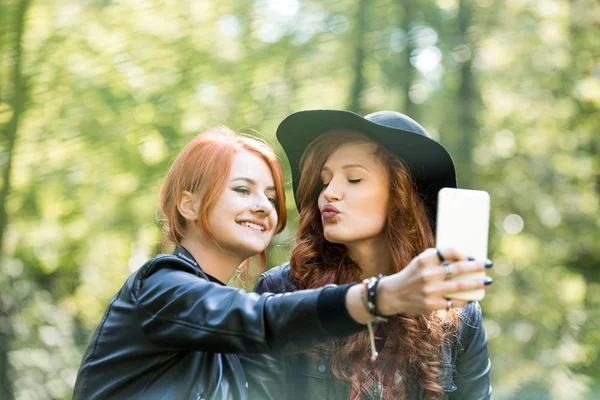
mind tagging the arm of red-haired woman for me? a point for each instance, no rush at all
(177, 309)
(266, 373)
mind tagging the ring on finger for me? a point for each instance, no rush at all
(440, 256)
(448, 304)
(448, 270)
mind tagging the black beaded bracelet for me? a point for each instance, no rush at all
(371, 286)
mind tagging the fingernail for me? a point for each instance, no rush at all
(471, 258)
(488, 281)
(489, 264)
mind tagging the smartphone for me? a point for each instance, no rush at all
(463, 218)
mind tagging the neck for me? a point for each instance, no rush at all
(213, 260)
(372, 256)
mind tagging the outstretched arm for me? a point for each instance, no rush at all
(179, 310)
(266, 373)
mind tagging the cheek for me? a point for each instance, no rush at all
(320, 200)
(213, 214)
(224, 203)
(273, 218)
(382, 210)
(374, 208)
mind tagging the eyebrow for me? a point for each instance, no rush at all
(347, 166)
(251, 182)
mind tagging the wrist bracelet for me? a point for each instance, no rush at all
(371, 285)
(369, 300)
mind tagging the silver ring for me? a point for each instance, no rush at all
(448, 270)
(448, 304)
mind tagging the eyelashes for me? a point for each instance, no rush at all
(242, 190)
(351, 181)
(246, 191)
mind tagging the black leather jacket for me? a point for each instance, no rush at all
(170, 333)
(464, 370)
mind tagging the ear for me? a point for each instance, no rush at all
(188, 206)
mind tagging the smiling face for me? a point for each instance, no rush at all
(355, 194)
(244, 219)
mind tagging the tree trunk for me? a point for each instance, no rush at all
(577, 33)
(408, 72)
(9, 135)
(467, 121)
(358, 81)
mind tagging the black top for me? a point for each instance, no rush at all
(172, 333)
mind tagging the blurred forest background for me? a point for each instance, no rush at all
(98, 96)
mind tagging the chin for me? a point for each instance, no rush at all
(333, 235)
(333, 238)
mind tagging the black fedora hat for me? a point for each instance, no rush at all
(429, 162)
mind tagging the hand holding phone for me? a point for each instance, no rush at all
(463, 224)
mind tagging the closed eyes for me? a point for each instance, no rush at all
(352, 181)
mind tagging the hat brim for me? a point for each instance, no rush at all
(428, 161)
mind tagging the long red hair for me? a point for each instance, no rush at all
(413, 343)
(203, 166)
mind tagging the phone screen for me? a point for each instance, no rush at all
(463, 217)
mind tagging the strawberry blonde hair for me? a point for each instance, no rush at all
(203, 166)
(414, 342)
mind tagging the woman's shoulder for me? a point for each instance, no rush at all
(278, 279)
(171, 262)
(165, 270)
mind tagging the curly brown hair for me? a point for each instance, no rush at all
(413, 342)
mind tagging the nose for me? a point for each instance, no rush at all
(332, 192)
(263, 205)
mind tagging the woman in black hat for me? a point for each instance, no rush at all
(366, 190)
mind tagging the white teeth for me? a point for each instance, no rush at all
(253, 226)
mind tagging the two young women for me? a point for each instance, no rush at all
(175, 330)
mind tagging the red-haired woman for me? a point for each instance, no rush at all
(366, 189)
(175, 330)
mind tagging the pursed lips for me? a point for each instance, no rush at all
(328, 212)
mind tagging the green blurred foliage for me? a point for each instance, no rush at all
(113, 89)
